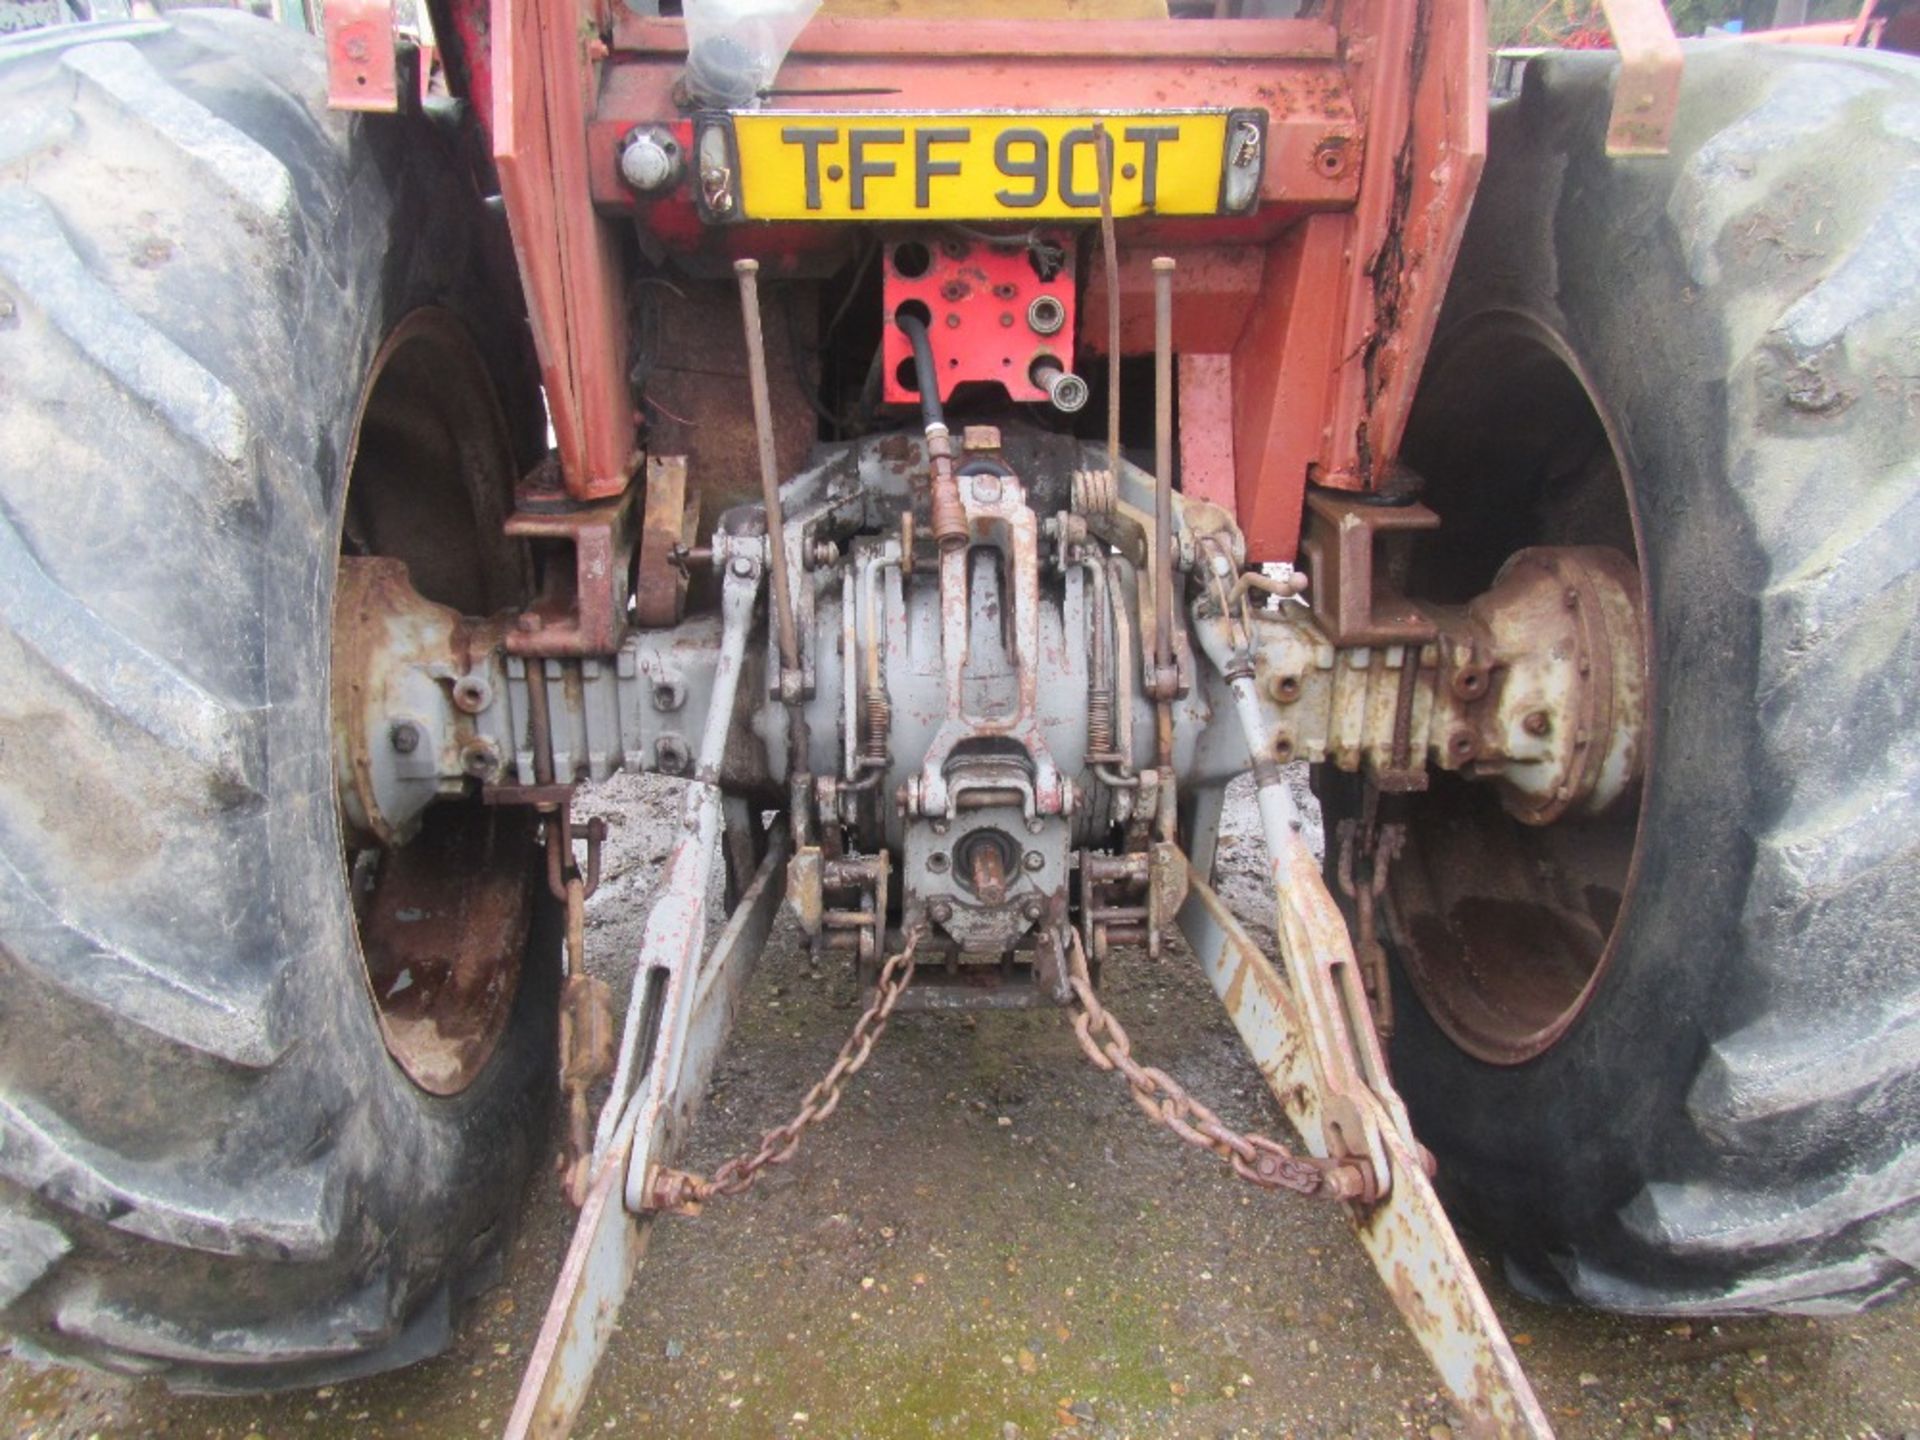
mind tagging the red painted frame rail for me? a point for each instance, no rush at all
(1376, 142)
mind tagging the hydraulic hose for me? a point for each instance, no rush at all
(924, 369)
(948, 515)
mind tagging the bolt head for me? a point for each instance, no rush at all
(480, 759)
(743, 566)
(1034, 860)
(404, 737)
(647, 164)
(986, 488)
(940, 912)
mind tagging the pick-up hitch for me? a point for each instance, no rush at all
(1306, 1023)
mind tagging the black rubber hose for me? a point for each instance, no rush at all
(923, 366)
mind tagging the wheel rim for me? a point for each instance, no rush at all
(1505, 930)
(441, 921)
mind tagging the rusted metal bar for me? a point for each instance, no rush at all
(1110, 253)
(1405, 1233)
(677, 921)
(1646, 94)
(608, 1242)
(748, 272)
(1163, 268)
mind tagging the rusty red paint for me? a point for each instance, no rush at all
(978, 299)
(582, 606)
(1215, 286)
(1287, 67)
(1421, 82)
(570, 266)
(1206, 429)
(1284, 374)
(361, 69)
(1375, 143)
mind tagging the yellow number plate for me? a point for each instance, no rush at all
(975, 167)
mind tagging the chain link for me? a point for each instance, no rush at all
(677, 1190)
(1254, 1158)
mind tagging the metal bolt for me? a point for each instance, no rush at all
(480, 758)
(1035, 825)
(472, 694)
(1034, 860)
(937, 862)
(1539, 722)
(1033, 907)
(986, 488)
(404, 736)
(743, 566)
(669, 695)
(1046, 314)
(940, 912)
(1348, 1181)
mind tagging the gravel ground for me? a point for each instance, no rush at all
(989, 1240)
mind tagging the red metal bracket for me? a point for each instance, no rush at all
(362, 73)
(981, 312)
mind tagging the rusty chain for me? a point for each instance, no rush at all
(679, 1190)
(1255, 1158)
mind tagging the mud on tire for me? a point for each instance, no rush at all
(210, 1167)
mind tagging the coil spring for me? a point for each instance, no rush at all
(877, 715)
(1093, 492)
(1099, 720)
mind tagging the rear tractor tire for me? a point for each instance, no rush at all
(255, 1131)
(1669, 1059)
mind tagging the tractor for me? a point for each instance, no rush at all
(958, 441)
